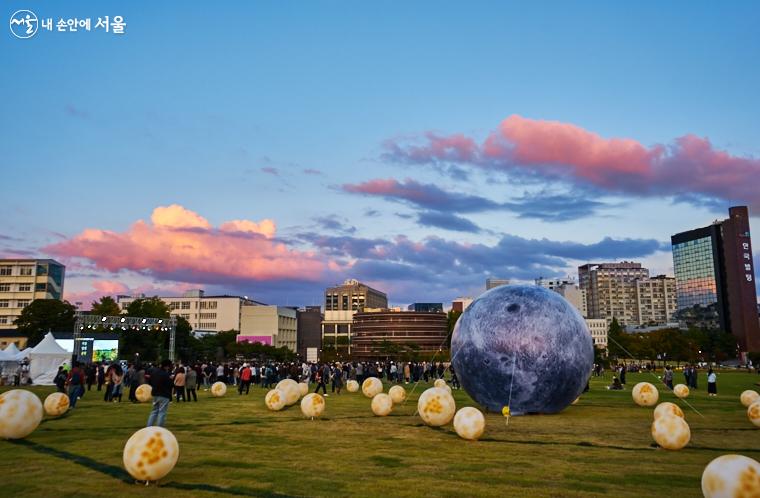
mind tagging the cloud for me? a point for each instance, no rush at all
(181, 245)
(312, 171)
(334, 224)
(269, 170)
(447, 221)
(688, 166)
(98, 288)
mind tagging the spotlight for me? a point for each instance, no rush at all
(144, 320)
(103, 319)
(160, 321)
(123, 320)
(81, 327)
(124, 328)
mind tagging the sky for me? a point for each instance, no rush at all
(271, 149)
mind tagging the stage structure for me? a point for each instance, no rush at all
(84, 322)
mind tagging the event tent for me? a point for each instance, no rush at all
(44, 360)
(11, 350)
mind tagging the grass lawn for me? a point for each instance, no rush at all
(234, 446)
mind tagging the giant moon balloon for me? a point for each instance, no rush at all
(671, 432)
(352, 386)
(150, 453)
(312, 405)
(397, 394)
(218, 389)
(372, 386)
(645, 394)
(436, 406)
(469, 423)
(729, 476)
(382, 405)
(748, 397)
(20, 413)
(275, 400)
(667, 409)
(56, 404)
(290, 388)
(144, 393)
(527, 340)
(681, 391)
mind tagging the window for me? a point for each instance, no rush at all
(3, 319)
(185, 305)
(5, 303)
(174, 305)
(40, 287)
(25, 287)
(6, 270)
(208, 316)
(26, 271)
(22, 303)
(5, 287)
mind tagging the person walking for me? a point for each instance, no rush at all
(191, 383)
(320, 380)
(75, 382)
(337, 379)
(667, 377)
(712, 383)
(179, 384)
(92, 373)
(60, 380)
(161, 382)
(245, 379)
(101, 376)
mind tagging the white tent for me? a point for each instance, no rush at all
(11, 350)
(44, 360)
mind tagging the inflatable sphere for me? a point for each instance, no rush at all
(730, 476)
(150, 453)
(436, 406)
(144, 393)
(312, 405)
(748, 397)
(56, 404)
(397, 394)
(218, 389)
(372, 386)
(681, 391)
(667, 409)
(439, 383)
(576, 401)
(275, 400)
(290, 389)
(753, 413)
(352, 386)
(671, 432)
(469, 423)
(304, 387)
(526, 340)
(20, 413)
(382, 405)
(645, 394)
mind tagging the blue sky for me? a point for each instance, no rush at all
(266, 110)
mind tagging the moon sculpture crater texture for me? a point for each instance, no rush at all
(526, 339)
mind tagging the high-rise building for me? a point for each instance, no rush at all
(426, 307)
(309, 335)
(341, 303)
(566, 288)
(611, 290)
(271, 325)
(495, 282)
(554, 283)
(209, 314)
(24, 280)
(382, 333)
(655, 300)
(715, 277)
(461, 303)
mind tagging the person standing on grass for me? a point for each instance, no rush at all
(161, 382)
(117, 378)
(75, 381)
(320, 380)
(92, 373)
(132, 382)
(60, 380)
(712, 383)
(101, 376)
(337, 379)
(179, 383)
(245, 379)
(667, 377)
(191, 382)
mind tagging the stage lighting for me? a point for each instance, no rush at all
(160, 321)
(103, 319)
(123, 320)
(144, 320)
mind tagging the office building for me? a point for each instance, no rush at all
(309, 332)
(715, 278)
(655, 300)
(554, 283)
(271, 325)
(382, 333)
(495, 282)
(566, 288)
(611, 290)
(341, 303)
(461, 303)
(598, 329)
(24, 280)
(426, 307)
(209, 314)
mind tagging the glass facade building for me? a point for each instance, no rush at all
(694, 266)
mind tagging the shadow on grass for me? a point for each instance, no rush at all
(123, 475)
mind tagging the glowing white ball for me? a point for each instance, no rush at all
(218, 389)
(439, 383)
(151, 453)
(667, 409)
(382, 405)
(436, 406)
(304, 387)
(397, 394)
(469, 423)
(312, 405)
(20, 413)
(371, 387)
(748, 397)
(731, 476)
(645, 394)
(144, 393)
(671, 432)
(753, 413)
(681, 391)
(352, 386)
(275, 400)
(56, 404)
(290, 389)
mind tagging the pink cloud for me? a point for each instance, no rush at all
(180, 245)
(96, 289)
(689, 165)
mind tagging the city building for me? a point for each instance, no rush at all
(611, 290)
(461, 303)
(271, 325)
(309, 332)
(655, 300)
(598, 329)
(206, 314)
(11, 336)
(429, 307)
(382, 333)
(554, 283)
(715, 278)
(495, 282)
(24, 280)
(566, 288)
(341, 303)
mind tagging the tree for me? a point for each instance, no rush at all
(617, 344)
(106, 307)
(43, 315)
(149, 344)
(452, 317)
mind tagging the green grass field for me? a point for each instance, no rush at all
(234, 446)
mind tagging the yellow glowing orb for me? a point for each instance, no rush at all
(352, 386)
(275, 400)
(469, 423)
(151, 453)
(748, 397)
(397, 394)
(382, 405)
(144, 393)
(667, 409)
(312, 405)
(671, 432)
(56, 404)
(20, 413)
(436, 406)
(372, 386)
(731, 476)
(218, 389)
(681, 391)
(290, 388)
(645, 394)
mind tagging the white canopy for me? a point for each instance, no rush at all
(11, 349)
(44, 360)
